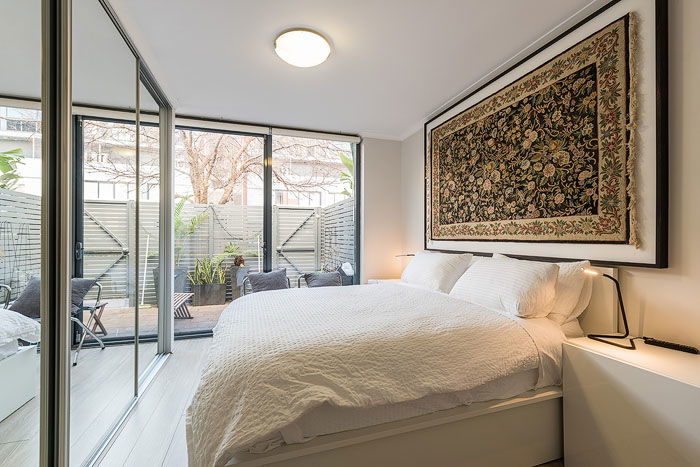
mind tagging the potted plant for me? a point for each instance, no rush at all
(208, 282)
(183, 230)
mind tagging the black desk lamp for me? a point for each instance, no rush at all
(603, 337)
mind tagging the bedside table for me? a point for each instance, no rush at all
(630, 407)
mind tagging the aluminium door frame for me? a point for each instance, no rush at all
(56, 241)
(79, 224)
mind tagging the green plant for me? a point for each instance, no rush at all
(235, 252)
(346, 175)
(208, 270)
(8, 168)
(184, 228)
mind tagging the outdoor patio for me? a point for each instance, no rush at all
(119, 322)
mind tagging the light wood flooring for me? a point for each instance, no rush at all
(154, 434)
(102, 384)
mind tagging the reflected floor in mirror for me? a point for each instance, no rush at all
(101, 384)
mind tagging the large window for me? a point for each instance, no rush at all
(218, 220)
(222, 218)
(313, 216)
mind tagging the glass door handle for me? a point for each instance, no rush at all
(79, 251)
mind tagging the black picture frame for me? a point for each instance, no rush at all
(662, 132)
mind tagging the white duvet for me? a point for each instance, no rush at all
(277, 355)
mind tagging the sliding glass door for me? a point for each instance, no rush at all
(253, 202)
(218, 222)
(313, 211)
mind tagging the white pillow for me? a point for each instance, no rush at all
(520, 288)
(583, 300)
(570, 283)
(436, 271)
(15, 326)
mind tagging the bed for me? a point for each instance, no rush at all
(19, 364)
(293, 381)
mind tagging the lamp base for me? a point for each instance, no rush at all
(603, 338)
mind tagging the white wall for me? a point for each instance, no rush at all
(412, 191)
(381, 201)
(661, 303)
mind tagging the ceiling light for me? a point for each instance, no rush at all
(302, 47)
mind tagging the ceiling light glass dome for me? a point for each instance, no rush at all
(302, 47)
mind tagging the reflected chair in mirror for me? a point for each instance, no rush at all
(80, 287)
(27, 304)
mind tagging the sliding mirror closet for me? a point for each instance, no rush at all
(21, 185)
(119, 277)
(116, 231)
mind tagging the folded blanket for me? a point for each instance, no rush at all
(278, 354)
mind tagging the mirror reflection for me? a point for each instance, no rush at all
(20, 231)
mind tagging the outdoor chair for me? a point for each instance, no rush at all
(321, 279)
(261, 281)
(8, 293)
(28, 304)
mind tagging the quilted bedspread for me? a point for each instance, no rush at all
(277, 355)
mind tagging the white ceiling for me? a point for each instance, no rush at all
(394, 62)
(104, 69)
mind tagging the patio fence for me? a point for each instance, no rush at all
(304, 240)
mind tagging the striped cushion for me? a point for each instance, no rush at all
(571, 297)
(521, 288)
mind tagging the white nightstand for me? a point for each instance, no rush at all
(630, 407)
(379, 281)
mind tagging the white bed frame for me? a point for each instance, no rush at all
(525, 430)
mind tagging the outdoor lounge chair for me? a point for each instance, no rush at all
(28, 304)
(321, 279)
(260, 281)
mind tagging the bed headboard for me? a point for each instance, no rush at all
(601, 316)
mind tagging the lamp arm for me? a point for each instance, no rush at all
(605, 337)
(621, 303)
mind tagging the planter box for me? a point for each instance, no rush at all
(209, 294)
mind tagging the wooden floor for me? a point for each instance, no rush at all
(154, 435)
(119, 322)
(102, 385)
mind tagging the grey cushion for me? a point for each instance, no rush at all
(274, 280)
(323, 279)
(79, 288)
(27, 303)
(346, 279)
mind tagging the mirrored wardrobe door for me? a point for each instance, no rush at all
(105, 285)
(20, 230)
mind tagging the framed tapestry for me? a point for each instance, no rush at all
(564, 155)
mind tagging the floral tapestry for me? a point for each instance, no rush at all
(545, 158)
